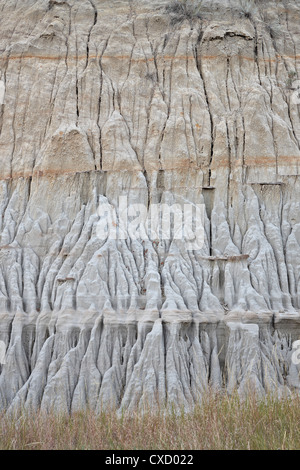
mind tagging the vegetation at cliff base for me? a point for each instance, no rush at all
(220, 422)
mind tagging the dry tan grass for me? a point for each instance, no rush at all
(220, 422)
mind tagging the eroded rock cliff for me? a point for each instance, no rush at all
(104, 98)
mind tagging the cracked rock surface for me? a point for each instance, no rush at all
(103, 99)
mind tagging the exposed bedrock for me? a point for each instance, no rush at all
(102, 100)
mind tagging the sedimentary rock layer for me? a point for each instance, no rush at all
(107, 99)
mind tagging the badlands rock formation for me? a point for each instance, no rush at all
(107, 98)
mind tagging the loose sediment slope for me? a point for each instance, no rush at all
(101, 99)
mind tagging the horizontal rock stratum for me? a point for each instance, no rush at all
(103, 99)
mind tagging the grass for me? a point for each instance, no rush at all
(221, 422)
(292, 75)
(247, 8)
(181, 10)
